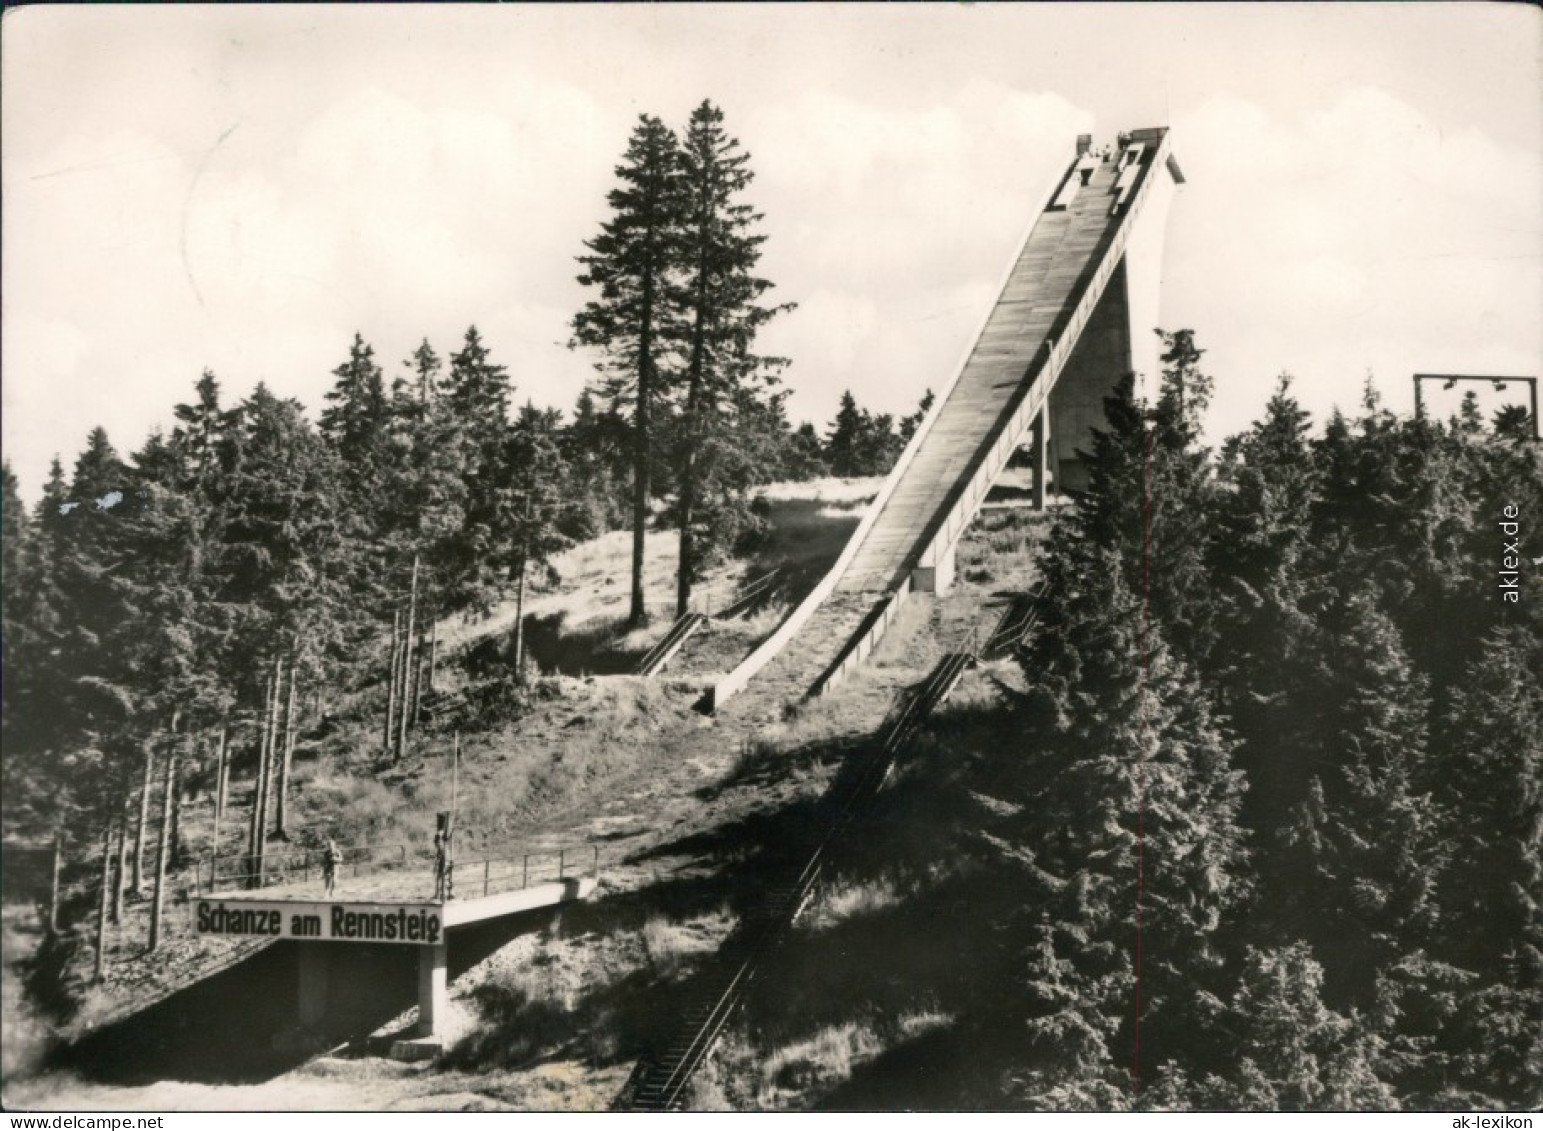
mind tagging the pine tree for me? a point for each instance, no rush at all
(634, 318)
(909, 424)
(1265, 517)
(596, 451)
(425, 366)
(427, 483)
(355, 423)
(1514, 422)
(1130, 808)
(1466, 1034)
(201, 429)
(1285, 1049)
(477, 395)
(843, 447)
(15, 532)
(285, 545)
(1359, 862)
(1469, 420)
(719, 250)
(476, 404)
(534, 510)
(1266, 644)
(1180, 495)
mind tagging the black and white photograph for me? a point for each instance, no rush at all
(790, 558)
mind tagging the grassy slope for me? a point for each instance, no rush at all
(686, 809)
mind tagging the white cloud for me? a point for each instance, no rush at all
(1359, 237)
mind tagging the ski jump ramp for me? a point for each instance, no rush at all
(1075, 313)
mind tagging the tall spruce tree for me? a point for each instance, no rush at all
(15, 545)
(596, 451)
(909, 424)
(475, 403)
(1358, 864)
(356, 418)
(534, 511)
(719, 251)
(849, 445)
(634, 318)
(1130, 813)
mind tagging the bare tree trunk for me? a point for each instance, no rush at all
(519, 596)
(401, 679)
(144, 819)
(414, 681)
(120, 873)
(407, 657)
(158, 903)
(422, 678)
(175, 847)
(221, 779)
(641, 456)
(396, 634)
(687, 506)
(433, 650)
(281, 809)
(519, 624)
(53, 885)
(101, 913)
(253, 822)
(270, 750)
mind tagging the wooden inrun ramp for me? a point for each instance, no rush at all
(1055, 268)
(1063, 269)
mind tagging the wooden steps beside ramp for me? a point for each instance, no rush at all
(1018, 620)
(658, 1082)
(741, 603)
(663, 652)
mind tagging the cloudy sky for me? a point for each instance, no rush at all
(242, 188)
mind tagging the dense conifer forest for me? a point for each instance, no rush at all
(1282, 716)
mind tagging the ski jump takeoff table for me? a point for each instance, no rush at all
(378, 909)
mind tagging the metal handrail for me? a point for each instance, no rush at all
(272, 869)
(1021, 615)
(562, 855)
(683, 627)
(747, 593)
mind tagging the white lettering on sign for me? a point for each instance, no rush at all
(335, 922)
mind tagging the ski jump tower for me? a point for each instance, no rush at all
(1076, 312)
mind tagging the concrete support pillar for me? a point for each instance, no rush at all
(1041, 458)
(313, 984)
(937, 577)
(944, 581)
(433, 987)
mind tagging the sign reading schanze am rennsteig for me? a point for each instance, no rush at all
(414, 923)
